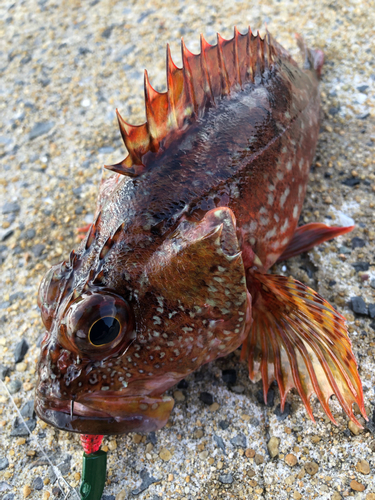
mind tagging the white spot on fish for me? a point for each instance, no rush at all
(284, 196)
(285, 225)
(276, 217)
(270, 199)
(264, 220)
(263, 210)
(253, 225)
(295, 211)
(280, 176)
(271, 233)
(289, 165)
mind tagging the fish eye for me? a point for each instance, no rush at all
(98, 323)
(104, 330)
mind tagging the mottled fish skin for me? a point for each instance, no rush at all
(169, 249)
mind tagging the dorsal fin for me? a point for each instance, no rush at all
(204, 78)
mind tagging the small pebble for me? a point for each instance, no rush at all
(4, 463)
(112, 445)
(363, 467)
(297, 495)
(223, 424)
(372, 283)
(229, 376)
(165, 454)
(20, 350)
(46, 495)
(291, 460)
(214, 407)
(21, 367)
(4, 372)
(238, 389)
(206, 398)
(26, 491)
(226, 478)
(356, 486)
(273, 446)
(282, 415)
(354, 429)
(38, 483)
(239, 440)
(179, 396)
(311, 468)
(170, 477)
(121, 495)
(250, 453)
(359, 305)
(183, 384)
(258, 459)
(14, 386)
(136, 438)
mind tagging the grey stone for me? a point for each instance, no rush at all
(38, 483)
(219, 441)
(4, 371)
(10, 208)
(5, 234)
(20, 351)
(239, 441)
(282, 415)
(38, 249)
(39, 129)
(238, 389)
(4, 463)
(14, 386)
(226, 478)
(29, 234)
(147, 480)
(27, 410)
(372, 283)
(371, 310)
(359, 305)
(19, 427)
(9, 496)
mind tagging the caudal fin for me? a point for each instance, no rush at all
(298, 339)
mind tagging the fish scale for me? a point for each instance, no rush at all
(173, 273)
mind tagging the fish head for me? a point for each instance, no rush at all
(110, 354)
(81, 387)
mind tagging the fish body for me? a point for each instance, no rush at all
(172, 273)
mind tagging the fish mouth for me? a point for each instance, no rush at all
(109, 413)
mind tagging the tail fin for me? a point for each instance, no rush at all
(300, 340)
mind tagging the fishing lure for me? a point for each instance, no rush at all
(173, 271)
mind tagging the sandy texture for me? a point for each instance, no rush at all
(65, 67)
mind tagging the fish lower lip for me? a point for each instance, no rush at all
(102, 415)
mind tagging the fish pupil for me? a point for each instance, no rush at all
(104, 331)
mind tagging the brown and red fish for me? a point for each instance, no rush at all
(173, 271)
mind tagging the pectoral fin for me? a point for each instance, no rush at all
(300, 340)
(310, 235)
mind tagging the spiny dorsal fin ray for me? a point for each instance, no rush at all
(204, 78)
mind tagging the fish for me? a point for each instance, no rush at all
(173, 273)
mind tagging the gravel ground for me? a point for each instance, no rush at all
(65, 67)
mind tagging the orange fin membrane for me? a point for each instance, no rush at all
(298, 339)
(310, 235)
(204, 79)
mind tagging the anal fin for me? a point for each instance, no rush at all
(310, 235)
(298, 339)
